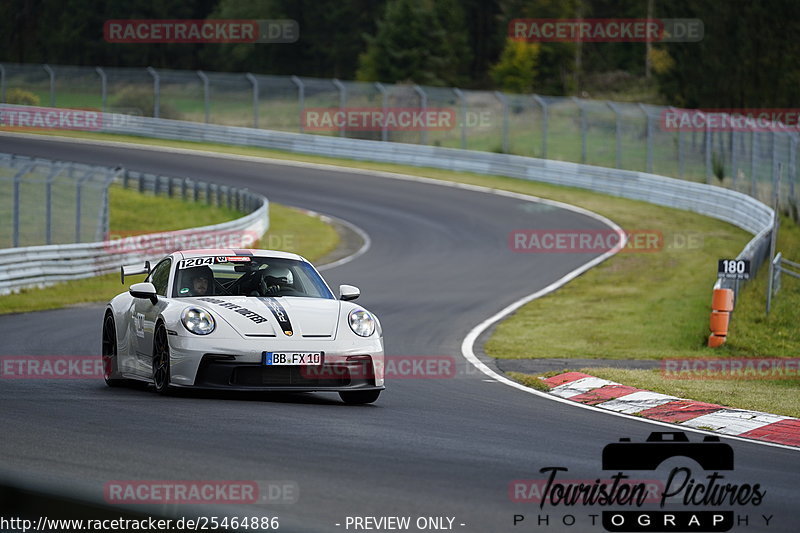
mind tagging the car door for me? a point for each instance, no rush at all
(145, 314)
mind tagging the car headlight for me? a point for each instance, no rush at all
(361, 323)
(198, 321)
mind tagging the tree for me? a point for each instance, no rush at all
(556, 64)
(516, 70)
(329, 44)
(749, 55)
(417, 40)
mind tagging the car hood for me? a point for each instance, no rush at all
(286, 316)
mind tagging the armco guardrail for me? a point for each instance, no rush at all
(39, 266)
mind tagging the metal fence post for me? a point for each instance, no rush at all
(753, 145)
(681, 153)
(539, 100)
(301, 100)
(2, 84)
(582, 118)
(775, 167)
(78, 206)
(254, 82)
(648, 133)
(16, 206)
(384, 109)
(773, 240)
(342, 101)
(504, 101)
(617, 134)
(102, 221)
(156, 91)
(208, 193)
(52, 74)
(103, 224)
(792, 176)
(708, 148)
(462, 108)
(103, 87)
(734, 161)
(55, 170)
(206, 96)
(423, 104)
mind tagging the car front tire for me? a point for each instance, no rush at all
(161, 364)
(109, 352)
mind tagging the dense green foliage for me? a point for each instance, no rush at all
(747, 58)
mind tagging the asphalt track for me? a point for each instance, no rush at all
(438, 265)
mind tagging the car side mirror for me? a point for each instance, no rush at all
(348, 292)
(144, 290)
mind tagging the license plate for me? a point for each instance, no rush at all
(292, 358)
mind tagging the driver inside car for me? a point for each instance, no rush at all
(275, 279)
(197, 281)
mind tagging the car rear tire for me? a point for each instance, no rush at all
(161, 364)
(109, 352)
(359, 397)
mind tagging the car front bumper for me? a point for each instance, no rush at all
(226, 365)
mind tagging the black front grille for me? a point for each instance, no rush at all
(276, 376)
(223, 371)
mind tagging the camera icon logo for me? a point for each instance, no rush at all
(710, 454)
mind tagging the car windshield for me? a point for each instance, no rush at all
(247, 276)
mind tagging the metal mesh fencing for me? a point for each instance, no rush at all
(761, 162)
(51, 202)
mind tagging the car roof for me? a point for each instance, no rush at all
(238, 252)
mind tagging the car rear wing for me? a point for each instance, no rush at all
(133, 270)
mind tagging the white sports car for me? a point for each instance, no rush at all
(241, 320)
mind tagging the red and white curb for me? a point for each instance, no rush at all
(605, 394)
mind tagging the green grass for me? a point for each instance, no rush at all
(649, 306)
(290, 230)
(131, 211)
(529, 381)
(637, 305)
